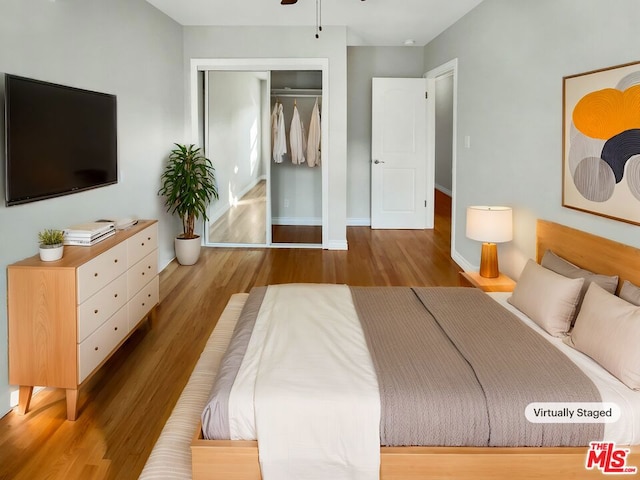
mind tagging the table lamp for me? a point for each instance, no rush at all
(489, 225)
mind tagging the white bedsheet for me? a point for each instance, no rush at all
(308, 339)
(626, 431)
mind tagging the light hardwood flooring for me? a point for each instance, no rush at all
(245, 223)
(125, 405)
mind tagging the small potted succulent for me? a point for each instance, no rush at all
(51, 246)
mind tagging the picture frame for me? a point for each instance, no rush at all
(601, 142)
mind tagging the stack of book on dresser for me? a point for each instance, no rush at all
(87, 234)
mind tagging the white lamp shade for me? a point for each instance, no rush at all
(490, 224)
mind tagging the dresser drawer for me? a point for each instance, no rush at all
(97, 273)
(143, 302)
(142, 244)
(98, 308)
(142, 273)
(100, 343)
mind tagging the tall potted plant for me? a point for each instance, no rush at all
(188, 184)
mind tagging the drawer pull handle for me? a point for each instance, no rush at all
(143, 273)
(149, 267)
(116, 328)
(149, 238)
(149, 295)
(115, 296)
(115, 261)
(95, 311)
(142, 244)
(143, 304)
(95, 274)
(96, 349)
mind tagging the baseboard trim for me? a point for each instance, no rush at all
(337, 245)
(297, 221)
(359, 222)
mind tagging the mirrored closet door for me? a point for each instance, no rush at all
(236, 138)
(269, 180)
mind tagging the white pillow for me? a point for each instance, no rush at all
(546, 297)
(608, 330)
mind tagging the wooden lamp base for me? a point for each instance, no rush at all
(489, 260)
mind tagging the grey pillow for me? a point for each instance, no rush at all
(630, 293)
(567, 269)
(547, 298)
(608, 330)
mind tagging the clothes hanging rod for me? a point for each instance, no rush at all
(312, 92)
(296, 95)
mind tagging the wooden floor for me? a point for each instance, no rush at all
(245, 223)
(125, 405)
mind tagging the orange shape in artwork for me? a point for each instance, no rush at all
(606, 113)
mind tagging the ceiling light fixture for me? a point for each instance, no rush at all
(318, 13)
(409, 43)
(318, 18)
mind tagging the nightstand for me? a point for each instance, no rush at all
(502, 283)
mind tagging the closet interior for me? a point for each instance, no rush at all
(296, 188)
(265, 198)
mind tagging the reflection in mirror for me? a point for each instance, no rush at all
(237, 128)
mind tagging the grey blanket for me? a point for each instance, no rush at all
(454, 368)
(472, 368)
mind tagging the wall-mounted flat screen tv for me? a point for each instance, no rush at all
(59, 140)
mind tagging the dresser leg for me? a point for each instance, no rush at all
(72, 404)
(24, 398)
(153, 317)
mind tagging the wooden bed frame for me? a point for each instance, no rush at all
(238, 460)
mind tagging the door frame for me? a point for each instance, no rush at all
(448, 68)
(269, 64)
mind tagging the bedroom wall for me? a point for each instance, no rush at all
(124, 47)
(364, 63)
(512, 58)
(290, 42)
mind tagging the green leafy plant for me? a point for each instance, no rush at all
(51, 237)
(188, 185)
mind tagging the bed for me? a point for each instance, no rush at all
(227, 459)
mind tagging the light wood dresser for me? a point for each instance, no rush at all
(66, 318)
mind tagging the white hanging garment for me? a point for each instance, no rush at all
(313, 144)
(274, 128)
(296, 138)
(280, 142)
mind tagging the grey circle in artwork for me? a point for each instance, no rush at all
(632, 175)
(594, 179)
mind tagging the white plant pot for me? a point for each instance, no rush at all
(51, 253)
(187, 250)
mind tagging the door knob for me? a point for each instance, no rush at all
(377, 162)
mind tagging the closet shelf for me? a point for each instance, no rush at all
(297, 92)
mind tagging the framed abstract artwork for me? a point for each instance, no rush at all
(601, 142)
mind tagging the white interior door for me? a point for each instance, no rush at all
(399, 153)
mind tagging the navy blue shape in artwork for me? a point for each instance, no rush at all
(618, 149)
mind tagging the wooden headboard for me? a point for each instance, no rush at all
(594, 253)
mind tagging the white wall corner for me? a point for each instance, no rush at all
(463, 263)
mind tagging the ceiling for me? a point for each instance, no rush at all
(370, 22)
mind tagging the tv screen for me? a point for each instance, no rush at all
(59, 140)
